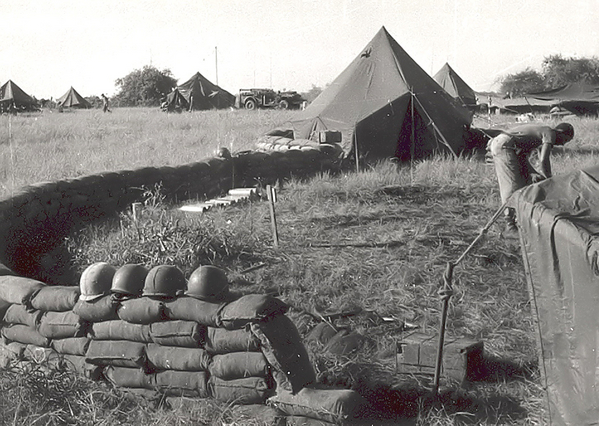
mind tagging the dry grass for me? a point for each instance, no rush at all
(378, 241)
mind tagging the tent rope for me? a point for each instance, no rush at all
(446, 292)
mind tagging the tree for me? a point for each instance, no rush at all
(523, 82)
(312, 94)
(145, 87)
(558, 71)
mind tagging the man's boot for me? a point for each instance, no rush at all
(511, 229)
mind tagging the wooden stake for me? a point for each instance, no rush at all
(272, 197)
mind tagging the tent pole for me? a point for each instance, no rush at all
(412, 139)
(356, 153)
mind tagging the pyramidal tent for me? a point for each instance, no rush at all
(12, 96)
(385, 105)
(202, 94)
(72, 99)
(453, 84)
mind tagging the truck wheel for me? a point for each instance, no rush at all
(284, 104)
(250, 104)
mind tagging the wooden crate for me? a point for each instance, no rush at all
(462, 358)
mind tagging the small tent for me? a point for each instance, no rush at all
(14, 99)
(385, 105)
(453, 84)
(72, 99)
(202, 94)
(580, 98)
(175, 102)
(559, 229)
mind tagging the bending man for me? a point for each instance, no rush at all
(511, 150)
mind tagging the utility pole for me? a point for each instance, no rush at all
(216, 62)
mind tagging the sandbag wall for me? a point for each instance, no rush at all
(237, 352)
(35, 220)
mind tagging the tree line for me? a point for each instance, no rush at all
(556, 72)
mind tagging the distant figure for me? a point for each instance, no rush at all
(105, 104)
(191, 102)
(511, 150)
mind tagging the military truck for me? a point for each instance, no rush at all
(268, 98)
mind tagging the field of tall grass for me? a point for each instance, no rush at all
(376, 242)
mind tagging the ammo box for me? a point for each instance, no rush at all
(329, 136)
(462, 358)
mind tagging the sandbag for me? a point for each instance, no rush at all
(117, 353)
(183, 383)
(24, 334)
(222, 341)
(79, 365)
(251, 390)
(238, 365)
(102, 309)
(19, 314)
(176, 358)
(4, 305)
(190, 309)
(142, 310)
(11, 352)
(71, 346)
(61, 325)
(129, 377)
(306, 421)
(283, 348)
(251, 308)
(331, 405)
(120, 330)
(56, 298)
(18, 290)
(188, 334)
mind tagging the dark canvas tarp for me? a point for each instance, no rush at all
(202, 94)
(453, 84)
(520, 105)
(12, 95)
(72, 99)
(387, 106)
(579, 98)
(559, 221)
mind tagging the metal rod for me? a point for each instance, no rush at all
(270, 191)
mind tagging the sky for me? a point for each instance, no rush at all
(48, 46)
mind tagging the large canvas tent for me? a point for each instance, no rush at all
(14, 99)
(201, 94)
(72, 99)
(385, 105)
(580, 98)
(559, 222)
(453, 84)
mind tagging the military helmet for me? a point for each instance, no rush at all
(129, 279)
(566, 128)
(96, 281)
(164, 281)
(208, 283)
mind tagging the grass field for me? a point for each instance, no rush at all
(377, 241)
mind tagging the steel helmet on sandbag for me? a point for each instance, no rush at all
(208, 283)
(129, 280)
(164, 281)
(96, 281)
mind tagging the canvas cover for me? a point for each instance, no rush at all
(11, 94)
(580, 98)
(559, 222)
(202, 94)
(386, 105)
(72, 99)
(175, 102)
(453, 84)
